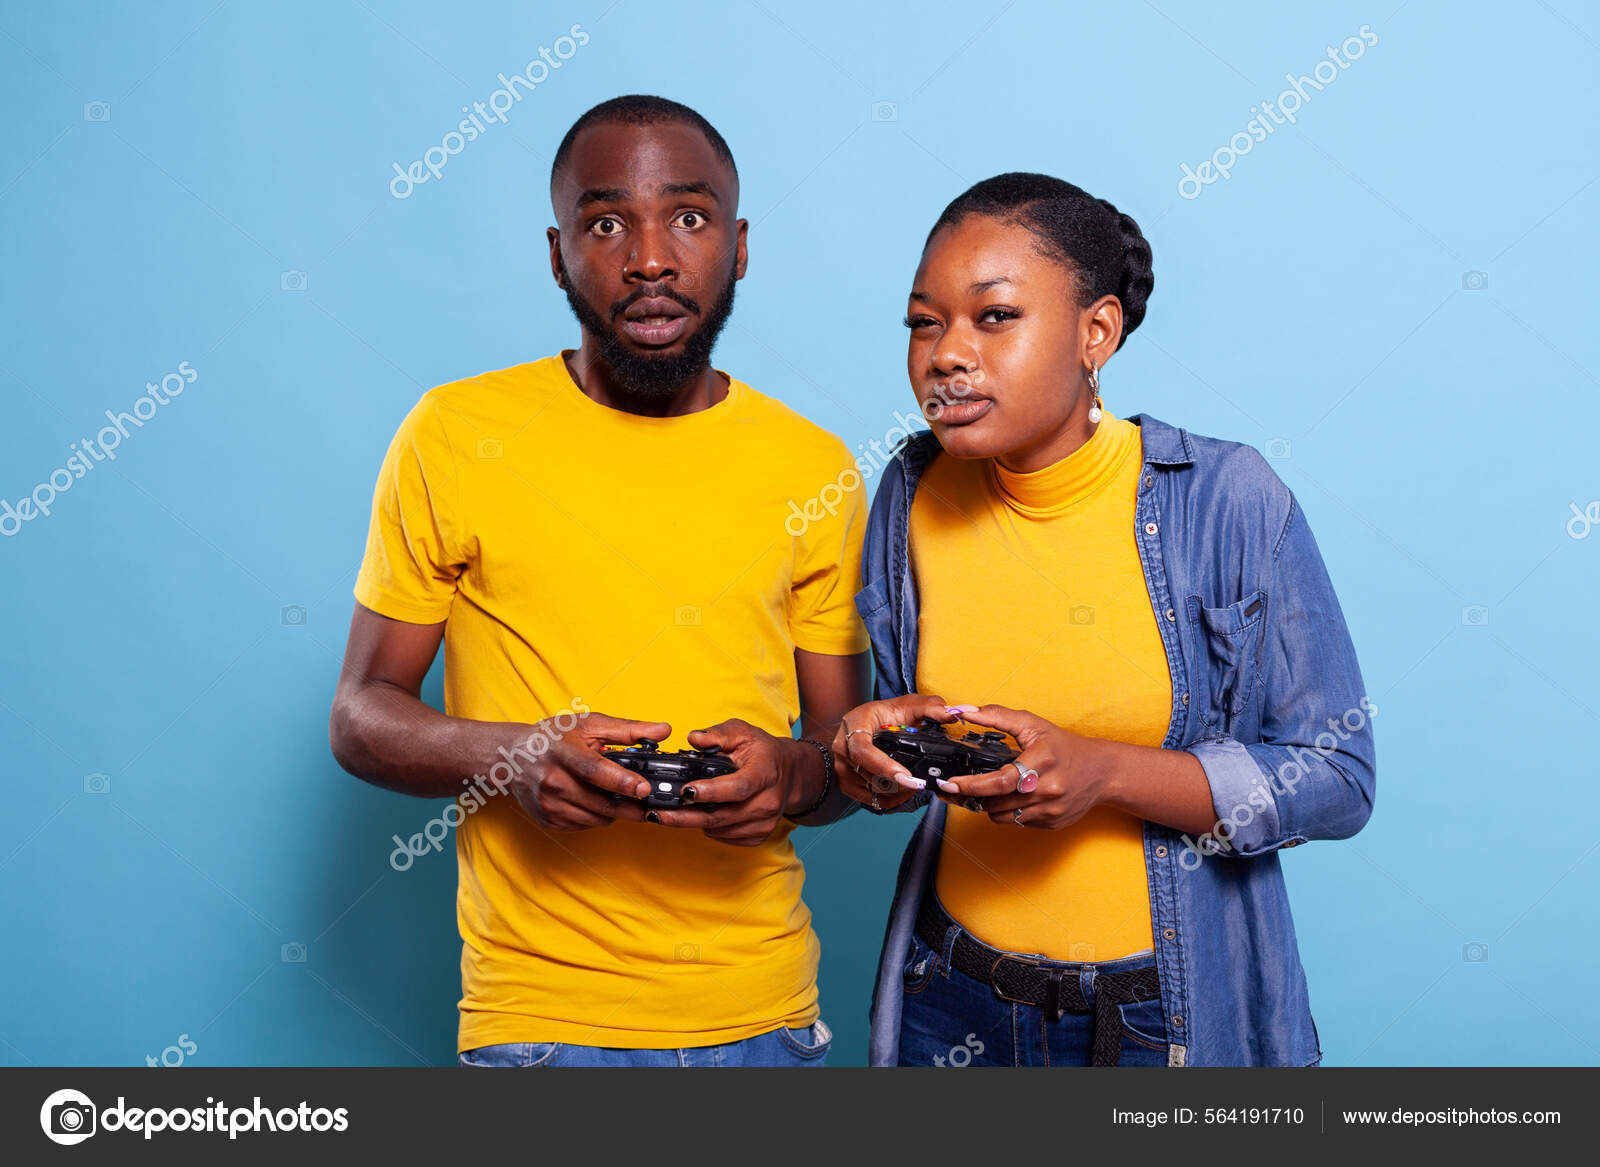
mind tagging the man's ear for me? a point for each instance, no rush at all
(741, 255)
(553, 234)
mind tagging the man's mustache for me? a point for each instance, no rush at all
(689, 303)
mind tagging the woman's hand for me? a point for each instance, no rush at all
(865, 772)
(1052, 784)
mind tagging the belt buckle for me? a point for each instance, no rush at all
(994, 982)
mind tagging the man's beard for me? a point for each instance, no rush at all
(646, 376)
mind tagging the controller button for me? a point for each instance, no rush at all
(664, 787)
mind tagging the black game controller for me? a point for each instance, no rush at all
(669, 773)
(931, 754)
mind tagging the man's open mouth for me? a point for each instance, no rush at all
(655, 321)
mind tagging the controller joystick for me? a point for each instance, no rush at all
(930, 753)
(667, 771)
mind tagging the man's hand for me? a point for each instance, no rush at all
(570, 787)
(866, 773)
(775, 776)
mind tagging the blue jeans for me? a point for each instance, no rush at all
(949, 1019)
(781, 1047)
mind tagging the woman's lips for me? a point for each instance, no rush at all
(962, 412)
(655, 330)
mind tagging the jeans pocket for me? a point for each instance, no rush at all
(921, 963)
(513, 1054)
(1144, 1024)
(809, 1042)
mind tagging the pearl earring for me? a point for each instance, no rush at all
(1094, 387)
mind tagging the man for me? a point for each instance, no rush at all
(613, 529)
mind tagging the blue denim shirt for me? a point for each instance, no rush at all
(1267, 695)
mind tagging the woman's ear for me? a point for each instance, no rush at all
(1102, 330)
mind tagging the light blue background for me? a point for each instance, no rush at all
(1437, 435)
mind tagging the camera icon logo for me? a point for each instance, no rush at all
(686, 616)
(1081, 614)
(1278, 449)
(293, 616)
(1474, 281)
(97, 783)
(689, 281)
(1475, 616)
(1475, 953)
(885, 111)
(491, 448)
(293, 280)
(293, 953)
(1081, 952)
(97, 111)
(68, 1117)
(688, 953)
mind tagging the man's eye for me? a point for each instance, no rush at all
(605, 226)
(691, 220)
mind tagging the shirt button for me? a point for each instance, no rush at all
(1177, 1020)
(1186, 698)
(1171, 615)
(1149, 480)
(1161, 852)
(1151, 528)
(1167, 933)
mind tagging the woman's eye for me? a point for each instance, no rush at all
(998, 315)
(692, 220)
(916, 322)
(605, 226)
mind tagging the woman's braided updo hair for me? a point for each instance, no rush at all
(1103, 248)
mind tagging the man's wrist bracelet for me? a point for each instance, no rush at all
(827, 779)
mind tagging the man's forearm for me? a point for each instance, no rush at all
(385, 736)
(813, 776)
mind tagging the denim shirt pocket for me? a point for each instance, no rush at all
(873, 598)
(1229, 645)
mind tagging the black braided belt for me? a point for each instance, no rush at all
(1044, 984)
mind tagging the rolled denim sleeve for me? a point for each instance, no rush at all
(1313, 774)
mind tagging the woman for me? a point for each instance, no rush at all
(1146, 612)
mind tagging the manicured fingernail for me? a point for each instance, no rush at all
(688, 794)
(910, 783)
(651, 816)
(1029, 784)
(949, 787)
(961, 709)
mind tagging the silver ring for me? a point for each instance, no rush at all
(974, 804)
(1022, 774)
(1016, 816)
(875, 805)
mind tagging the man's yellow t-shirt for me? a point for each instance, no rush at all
(649, 568)
(1033, 596)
